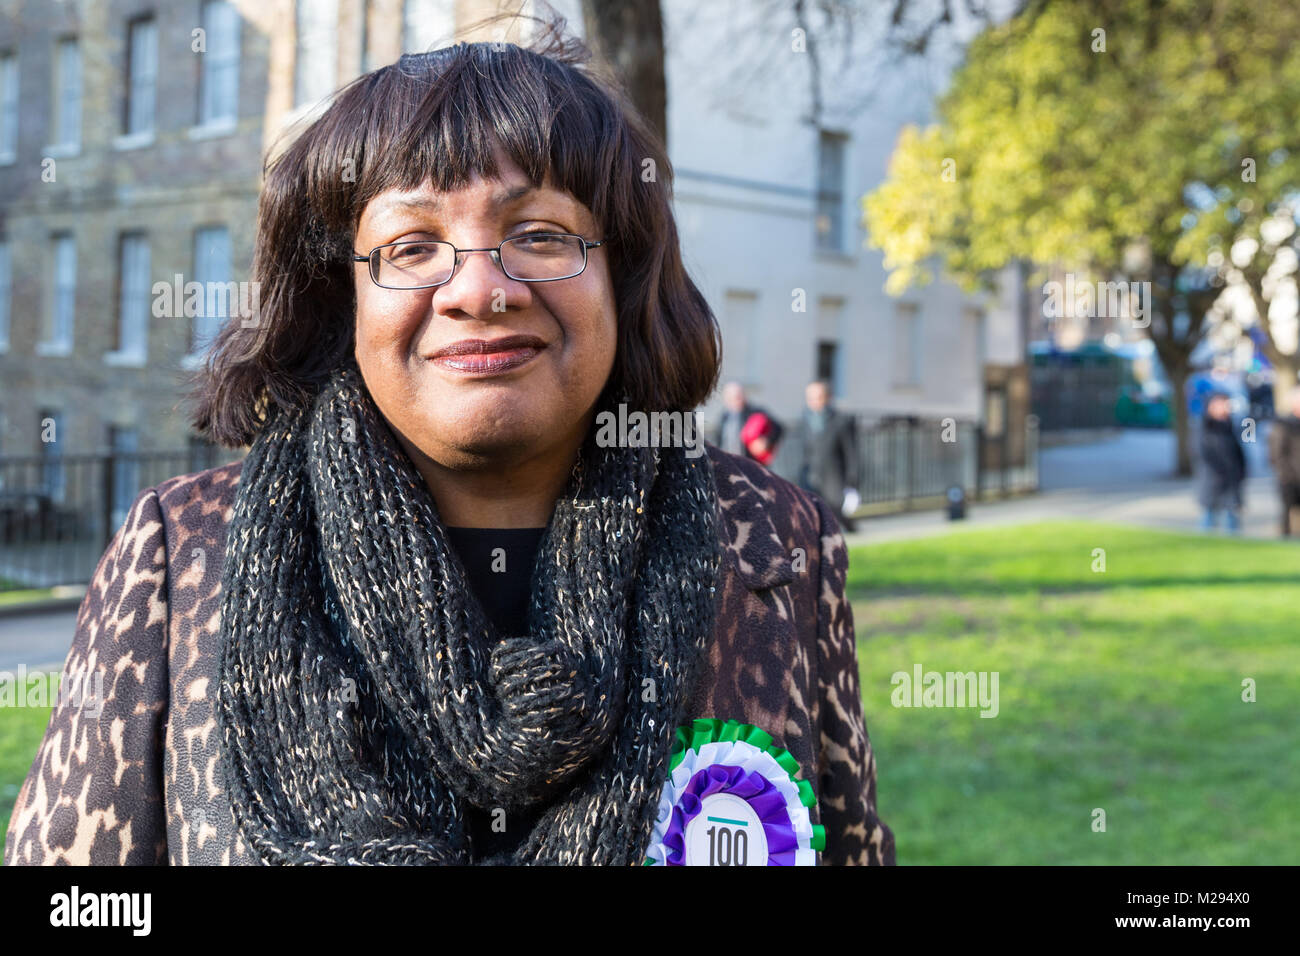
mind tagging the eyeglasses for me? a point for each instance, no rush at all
(532, 257)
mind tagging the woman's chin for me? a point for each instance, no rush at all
(495, 413)
(490, 437)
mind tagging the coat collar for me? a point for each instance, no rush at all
(747, 498)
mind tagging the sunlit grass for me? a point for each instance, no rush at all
(21, 730)
(1119, 690)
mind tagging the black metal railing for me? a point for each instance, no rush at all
(59, 512)
(1077, 390)
(916, 462)
(906, 463)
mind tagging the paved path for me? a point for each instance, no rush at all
(41, 641)
(1133, 457)
(1125, 480)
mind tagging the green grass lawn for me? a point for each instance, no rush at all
(1119, 690)
(24, 596)
(21, 730)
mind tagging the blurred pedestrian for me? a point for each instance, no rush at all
(762, 438)
(758, 437)
(1284, 454)
(1223, 463)
(824, 453)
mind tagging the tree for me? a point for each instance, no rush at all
(1136, 138)
(627, 36)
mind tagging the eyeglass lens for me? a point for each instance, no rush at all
(528, 258)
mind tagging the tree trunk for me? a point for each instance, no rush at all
(1178, 377)
(1284, 364)
(627, 37)
(1174, 349)
(1285, 369)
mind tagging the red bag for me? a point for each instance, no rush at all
(756, 436)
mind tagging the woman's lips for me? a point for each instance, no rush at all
(487, 363)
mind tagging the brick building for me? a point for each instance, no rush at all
(132, 139)
(132, 135)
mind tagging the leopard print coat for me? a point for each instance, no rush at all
(141, 783)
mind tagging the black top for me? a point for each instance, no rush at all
(501, 584)
(1221, 451)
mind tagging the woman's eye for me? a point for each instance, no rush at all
(414, 250)
(539, 242)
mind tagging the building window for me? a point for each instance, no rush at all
(63, 294)
(907, 345)
(125, 446)
(67, 95)
(426, 24)
(134, 302)
(829, 337)
(828, 365)
(142, 75)
(6, 292)
(830, 191)
(49, 431)
(219, 84)
(316, 52)
(367, 62)
(212, 272)
(8, 107)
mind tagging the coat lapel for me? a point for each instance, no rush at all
(758, 554)
(756, 649)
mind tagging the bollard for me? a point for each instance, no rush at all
(956, 503)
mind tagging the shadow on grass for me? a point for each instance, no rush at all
(893, 587)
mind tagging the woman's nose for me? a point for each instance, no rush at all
(479, 285)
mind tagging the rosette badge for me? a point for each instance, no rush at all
(731, 799)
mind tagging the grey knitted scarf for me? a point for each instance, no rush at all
(365, 697)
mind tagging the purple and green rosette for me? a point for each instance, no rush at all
(732, 799)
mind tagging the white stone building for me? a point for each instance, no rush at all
(769, 206)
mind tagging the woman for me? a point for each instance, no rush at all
(430, 618)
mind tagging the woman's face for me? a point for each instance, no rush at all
(464, 418)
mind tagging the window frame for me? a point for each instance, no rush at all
(907, 314)
(314, 20)
(54, 475)
(219, 67)
(60, 327)
(137, 83)
(10, 93)
(6, 291)
(66, 113)
(203, 276)
(134, 299)
(830, 201)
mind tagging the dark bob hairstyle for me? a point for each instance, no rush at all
(436, 118)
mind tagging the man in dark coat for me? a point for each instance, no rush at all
(735, 412)
(1284, 454)
(823, 452)
(1223, 464)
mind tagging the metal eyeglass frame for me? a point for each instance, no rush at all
(494, 251)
